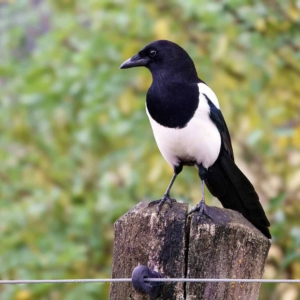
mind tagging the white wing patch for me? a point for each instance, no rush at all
(204, 89)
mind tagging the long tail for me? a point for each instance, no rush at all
(227, 182)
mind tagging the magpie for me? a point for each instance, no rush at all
(190, 130)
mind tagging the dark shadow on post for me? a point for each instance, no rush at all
(156, 240)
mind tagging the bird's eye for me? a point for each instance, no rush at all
(152, 53)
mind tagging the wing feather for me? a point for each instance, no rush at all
(217, 117)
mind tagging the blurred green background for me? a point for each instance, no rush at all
(76, 147)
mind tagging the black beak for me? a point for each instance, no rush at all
(135, 61)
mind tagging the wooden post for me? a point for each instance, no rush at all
(227, 247)
(183, 247)
(156, 240)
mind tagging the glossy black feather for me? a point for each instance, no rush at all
(227, 182)
(217, 117)
(172, 105)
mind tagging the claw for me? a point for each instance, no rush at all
(201, 207)
(160, 202)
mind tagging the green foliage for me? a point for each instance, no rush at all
(76, 148)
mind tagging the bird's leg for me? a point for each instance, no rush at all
(201, 206)
(166, 197)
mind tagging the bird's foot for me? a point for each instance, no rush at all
(160, 202)
(201, 207)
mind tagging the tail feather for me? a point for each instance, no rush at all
(227, 182)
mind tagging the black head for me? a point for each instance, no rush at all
(165, 60)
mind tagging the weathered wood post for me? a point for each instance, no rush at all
(183, 247)
(227, 247)
(158, 240)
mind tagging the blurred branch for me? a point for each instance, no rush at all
(288, 64)
(239, 76)
(290, 124)
(238, 19)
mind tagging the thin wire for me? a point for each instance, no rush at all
(222, 280)
(149, 280)
(64, 281)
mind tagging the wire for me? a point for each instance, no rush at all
(222, 280)
(149, 280)
(64, 281)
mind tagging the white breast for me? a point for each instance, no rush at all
(199, 140)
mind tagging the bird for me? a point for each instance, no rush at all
(190, 130)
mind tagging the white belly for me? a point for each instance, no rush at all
(199, 141)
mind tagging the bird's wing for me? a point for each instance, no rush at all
(227, 182)
(217, 117)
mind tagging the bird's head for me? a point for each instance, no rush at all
(165, 60)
